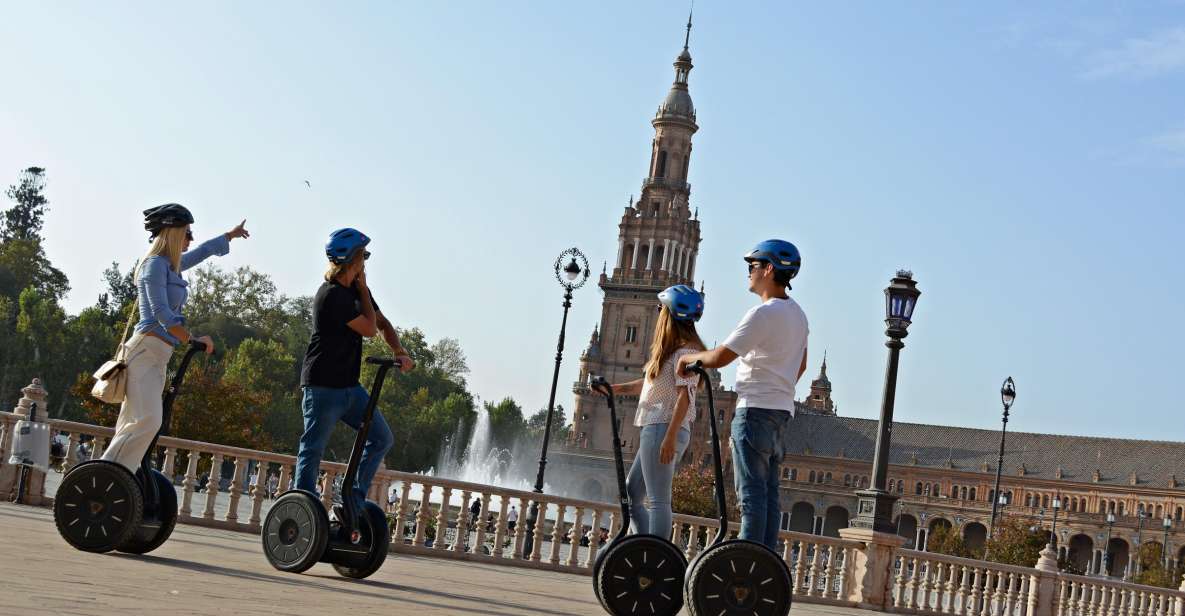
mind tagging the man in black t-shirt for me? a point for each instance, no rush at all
(343, 313)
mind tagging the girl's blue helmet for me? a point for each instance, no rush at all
(781, 254)
(344, 244)
(683, 302)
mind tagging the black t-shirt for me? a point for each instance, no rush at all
(334, 355)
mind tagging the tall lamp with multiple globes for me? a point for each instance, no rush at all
(571, 276)
(875, 505)
(1007, 396)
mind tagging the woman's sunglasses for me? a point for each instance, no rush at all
(188, 235)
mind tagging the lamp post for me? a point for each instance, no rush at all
(1164, 547)
(571, 276)
(875, 505)
(1135, 570)
(1007, 396)
(1107, 546)
(1057, 504)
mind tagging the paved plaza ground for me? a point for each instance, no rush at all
(206, 571)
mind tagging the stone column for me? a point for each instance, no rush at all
(634, 260)
(650, 254)
(666, 255)
(620, 251)
(34, 397)
(691, 265)
(871, 567)
(1043, 586)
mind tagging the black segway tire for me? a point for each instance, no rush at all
(156, 526)
(738, 577)
(372, 524)
(295, 532)
(98, 506)
(640, 574)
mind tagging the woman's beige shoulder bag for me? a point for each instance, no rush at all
(111, 379)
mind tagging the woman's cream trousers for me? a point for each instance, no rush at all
(140, 414)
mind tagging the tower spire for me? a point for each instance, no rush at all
(687, 37)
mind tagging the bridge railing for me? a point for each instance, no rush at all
(432, 516)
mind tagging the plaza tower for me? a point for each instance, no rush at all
(658, 241)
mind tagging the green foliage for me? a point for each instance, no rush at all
(559, 425)
(1152, 570)
(946, 540)
(23, 221)
(1014, 543)
(23, 264)
(506, 422)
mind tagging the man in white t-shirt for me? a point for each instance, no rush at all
(771, 343)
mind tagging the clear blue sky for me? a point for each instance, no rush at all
(1025, 161)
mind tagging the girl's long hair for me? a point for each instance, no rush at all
(670, 336)
(335, 269)
(168, 244)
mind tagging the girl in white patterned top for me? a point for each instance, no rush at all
(666, 408)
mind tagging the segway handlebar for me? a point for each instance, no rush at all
(601, 386)
(197, 345)
(721, 503)
(384, 361)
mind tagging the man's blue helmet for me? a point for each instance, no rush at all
(781, 254)
(683, 302)
(344, 244)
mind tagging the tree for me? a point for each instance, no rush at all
(1152, 570)
(121, 290)
(23, 221)
(450, 359)
(559, 425)
(266, 367)
(1015, 543)
(23, 264)
(506, 422)
(693, 492)
(209, 409)
(946, 540)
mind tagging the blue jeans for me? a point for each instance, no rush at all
(757, 455)
(650, 479)
(323, 407)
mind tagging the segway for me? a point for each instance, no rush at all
(100, 506)
(734, 576)
(636, 574)
(298, 534)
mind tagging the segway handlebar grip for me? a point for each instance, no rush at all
(197, 344)
(697, 367)
(384, 361)
(601, 386)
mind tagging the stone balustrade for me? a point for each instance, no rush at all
(431, 516)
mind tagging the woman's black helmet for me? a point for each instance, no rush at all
(165, 216)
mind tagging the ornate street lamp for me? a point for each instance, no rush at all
(1135, 570)
(1107, 546)
(571, 276)
(875, 505)
(1057, 504)
(1007, 396)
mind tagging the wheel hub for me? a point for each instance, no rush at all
(289, 531)
(644, 582)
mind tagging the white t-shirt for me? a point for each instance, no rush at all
(770, 340)
(512, 516)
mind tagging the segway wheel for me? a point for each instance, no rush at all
(157, 525)
(640, 574)
(374, 532)
(295, 532)
(98, 506)
(738, 577)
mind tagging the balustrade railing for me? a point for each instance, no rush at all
(232, 488)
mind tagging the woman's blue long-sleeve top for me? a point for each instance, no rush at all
(163, 292)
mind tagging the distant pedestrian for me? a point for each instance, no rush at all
(273, 482)
(512, 518)
(474, 512)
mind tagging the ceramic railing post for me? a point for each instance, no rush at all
(212, 485)
(441, 541)
(463, 516)
(258, 492)
(236, 493)
(557, 534)
(574, 536)
(500, 527)
(402, 509)
(594, 539)
(425, 515)
(189, 483)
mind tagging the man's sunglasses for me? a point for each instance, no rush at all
(365, 255)
(756, 264)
